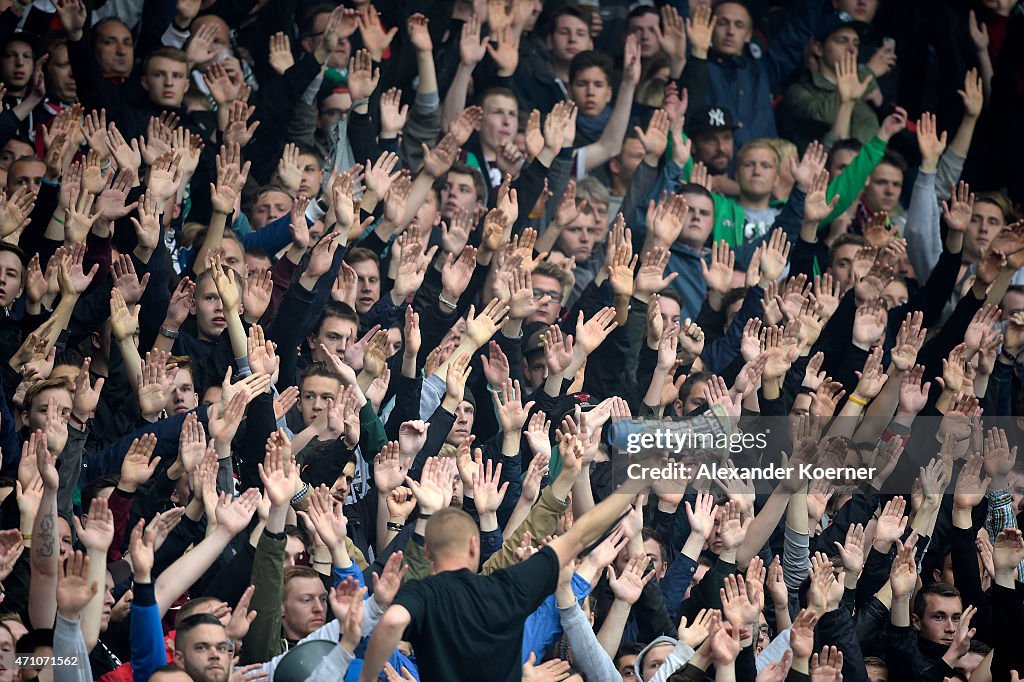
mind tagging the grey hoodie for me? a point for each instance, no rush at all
(680, 655)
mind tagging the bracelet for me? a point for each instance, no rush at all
(857, 400)
(169, 333)
(395, 526)
(806, 389)
(301, 495)
(58, 218)
(446, 303)
(26, 536)
(1012, 358)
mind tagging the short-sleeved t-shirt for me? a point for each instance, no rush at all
(467, 627)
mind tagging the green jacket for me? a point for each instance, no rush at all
(731, 220)
(809, 108)
(850, 182)
(730, 217)
(263, 641)
(372, 438)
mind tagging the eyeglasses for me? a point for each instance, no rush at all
(541, 293)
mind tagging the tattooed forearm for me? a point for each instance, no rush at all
(46, 536)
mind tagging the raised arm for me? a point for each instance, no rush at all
(610, 142)
(45, 543)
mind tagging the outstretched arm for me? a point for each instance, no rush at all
(385, 639)
(610, 143)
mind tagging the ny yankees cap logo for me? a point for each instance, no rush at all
(716, 117)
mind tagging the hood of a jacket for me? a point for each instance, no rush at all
(664, 639)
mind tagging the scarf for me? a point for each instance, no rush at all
(589, 128)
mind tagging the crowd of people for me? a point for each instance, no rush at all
(326, 325)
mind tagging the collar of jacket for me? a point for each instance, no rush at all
(929, 649)
(685, 251)
(737, 61)
(822, 83)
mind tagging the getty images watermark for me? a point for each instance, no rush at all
(873, 454)
(703, 447)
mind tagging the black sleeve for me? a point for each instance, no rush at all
(441, 423)
(836, 629)
(233, 576)
(259, 424)
(407, 404)
(1007, 622)
(651, 615)
(931, 298)
(696, 80)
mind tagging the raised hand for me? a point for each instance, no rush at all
(628, 586)
(930, 142)
(74, 590)
(234, 516)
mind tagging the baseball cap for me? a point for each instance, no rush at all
(838, 20)
(709, 118)
(533, 337)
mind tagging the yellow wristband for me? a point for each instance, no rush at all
(857, 401)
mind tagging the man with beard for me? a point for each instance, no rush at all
(712, 130)
(203, 649)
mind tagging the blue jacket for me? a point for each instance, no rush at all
(742, 84)
(543, 627)
(147, 633)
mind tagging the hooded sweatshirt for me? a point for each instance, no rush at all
(675, 661)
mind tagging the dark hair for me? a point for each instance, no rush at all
(691, 381)
(317, 369)
(498, 92)
(259, 252)
(172, 53)
(361, 254)
(628, 649)
(300, 533)
(20, 139)
(737, 294)
(742, 3)
(938, 589)
(191, 623)
(478, 179)
(845, 240)
(336, 309)
(651, 534)
(92, 490)
(591, 59)
(11, 248)
(33, 640)
(570, 11)
(673, 295)
(189, 608)
(642, 10)
(68, 357)
(309, 150)
(308, 18)
(694, 188)
(850, 144)
(894, 158)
